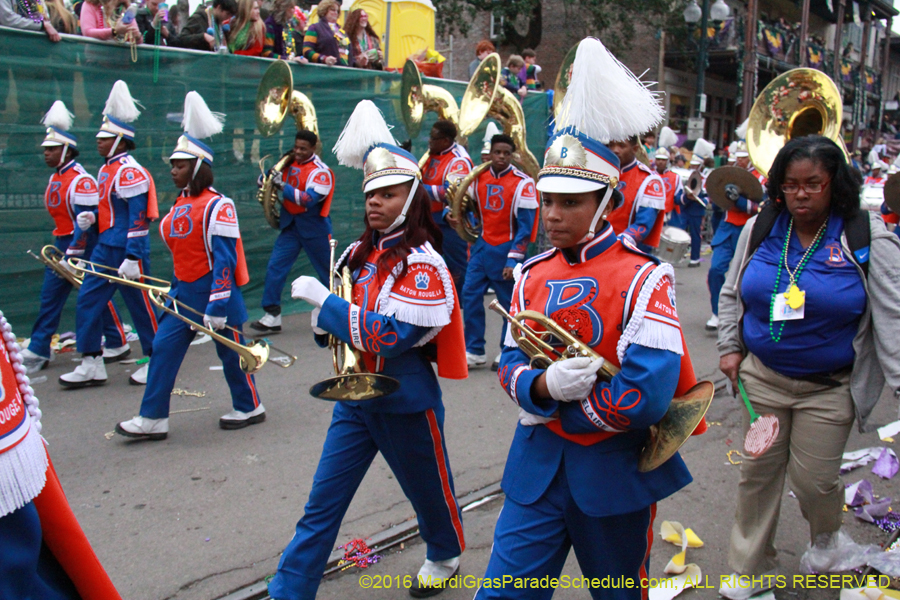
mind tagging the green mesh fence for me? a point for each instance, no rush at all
(34, 73)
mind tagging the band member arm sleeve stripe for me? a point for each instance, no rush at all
(367, 330)
(643, 223)
(224, 264)
(746, 205)
(80, 238)
(517, 378)
(139, 225)
(635, 398)
(524, 224)
(307, 198)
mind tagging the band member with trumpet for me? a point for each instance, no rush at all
(404, 314)
(507, 202)
(201, 230)
(726, 237)
(127, 204)
(69, 185)
(693, 205)
(572, 477)
(642, 213)
(446, 159)
(306, 192)
(673, 187)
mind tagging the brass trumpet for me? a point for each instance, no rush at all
(351, 381)
(253, 355)
(666, 437)
(51, 257)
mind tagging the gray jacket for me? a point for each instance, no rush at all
(877, 342)
(10, 17)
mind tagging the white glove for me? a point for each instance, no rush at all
(130, 269)
(212, 322)
(528, 419)
(310, 289)
(69, 266)
(85, 220)
(572, 379)
(314, 319)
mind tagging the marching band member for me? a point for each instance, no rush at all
(69, 185)
(308, 187)
(725, 239)
(875, 177)
(404, 315)
(201, 231)
(445, 159)
(127, 204)
(571, 478)
(693, 209)
(507, 202)
(673, 187)
(641, 215)
(43, 550)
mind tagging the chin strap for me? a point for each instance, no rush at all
(62, 157)
(197, 164)
(600, 209)
(112, 151)
(401, 218)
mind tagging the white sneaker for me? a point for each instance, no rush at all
(433, 577)
(742, 587)
(713, 323)
(238, 420)
(475, 360)
(496, 364)
(268, 324)
(91, 371)
(33, 362)
(694, 263)
(111, 355)
(139, 377)
(143, 428)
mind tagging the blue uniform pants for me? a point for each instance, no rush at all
(534, 541)
(455, 251)
(676, 219)
(413, 446)
(284, 254)
(54, 293)
(692, 222)
(724, 244)
(27, 568)
(96, 292)
(485, 270)
(169, 347)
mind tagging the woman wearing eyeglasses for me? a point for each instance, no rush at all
(808, 318)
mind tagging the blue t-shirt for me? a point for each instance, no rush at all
(822, 341)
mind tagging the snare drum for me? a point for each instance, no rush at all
(674, 246)
(872, 197)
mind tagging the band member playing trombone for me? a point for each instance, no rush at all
(201, 231)
(69, 185)
(127, 204)
(572, 475)
(404, 314)
(308, 187)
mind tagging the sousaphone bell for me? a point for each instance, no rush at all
(417, 98)
(725, 184)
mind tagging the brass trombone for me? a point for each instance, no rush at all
(51, 257)
(253, 355)
(86, 267)
(666, 437)
(351, 381)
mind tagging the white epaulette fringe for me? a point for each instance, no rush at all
(646, 332)
(23, 471)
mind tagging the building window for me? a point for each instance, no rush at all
(497, 22)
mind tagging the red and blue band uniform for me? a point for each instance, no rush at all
(127, 204)
(305, 225)
(453, 162)
(400, 322)
(508, 208)
(203, 236)
(890, 217)
(574, 481)
(692, 212)
(69, 186)
(674, 191)
(641, 215)
(870, 180)
(725, 240)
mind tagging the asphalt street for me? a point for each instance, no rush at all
(207, 512)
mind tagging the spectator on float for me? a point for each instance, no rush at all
(282, 33)
(509, 76)
(365, 45)
(207, 28)
(531, 71)
(104, 20)
(325, 42)
(26, 15)
(482, 50)
(151, 19)
(248, 33)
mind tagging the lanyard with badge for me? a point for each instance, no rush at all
(790, 305)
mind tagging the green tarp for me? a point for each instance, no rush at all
(35, 72)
